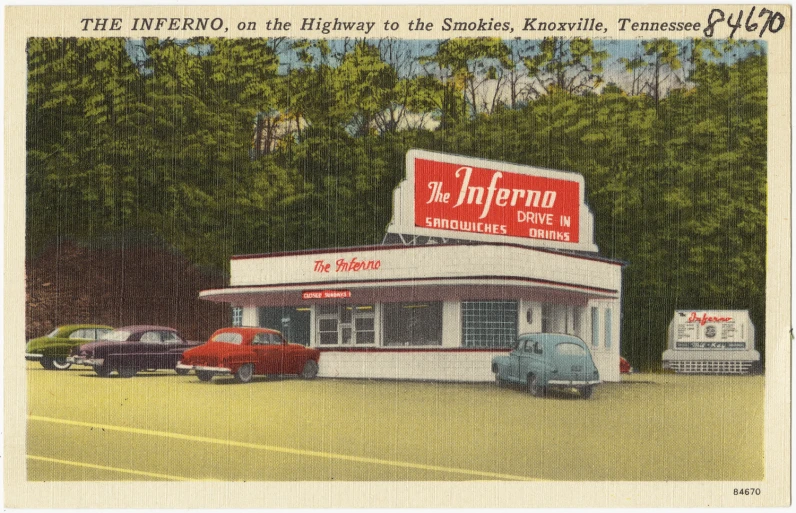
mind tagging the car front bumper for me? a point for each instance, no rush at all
(91, 362)
(571, 383)
(204, 368)
(33, 357)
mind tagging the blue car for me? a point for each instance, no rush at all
(544, 360)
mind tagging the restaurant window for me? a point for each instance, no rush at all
(607, 327)
(489, 323)
(346, 325)
(413, 324)
(293, 322)
(577, 323)
(547, 318)
(237, 316)
(595, 326)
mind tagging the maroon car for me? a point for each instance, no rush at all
(131, 349)
(244, 352)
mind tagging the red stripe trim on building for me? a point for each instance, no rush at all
(342, 283)
(329, 251)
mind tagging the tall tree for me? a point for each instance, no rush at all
(573, 65)
(635, 66)
(663, 60)
(366, 87)
(465, 66)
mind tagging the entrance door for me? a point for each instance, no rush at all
(293, 322)
(346, 325)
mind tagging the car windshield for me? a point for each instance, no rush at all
(53, 332)
(119, 335)
(228, 338)
(570, 349)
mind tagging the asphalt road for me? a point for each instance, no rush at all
(160, 426)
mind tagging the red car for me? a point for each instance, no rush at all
(624, 366)
(245, 352)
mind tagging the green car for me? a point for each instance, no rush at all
(544, 360)
(51, 350)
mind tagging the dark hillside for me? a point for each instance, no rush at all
(69, 283)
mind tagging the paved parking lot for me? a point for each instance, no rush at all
(160, 426)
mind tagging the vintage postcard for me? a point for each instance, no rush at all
(397, 256)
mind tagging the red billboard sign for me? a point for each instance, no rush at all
(456, 197)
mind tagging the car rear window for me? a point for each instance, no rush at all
(119, 335)
(570, 349)
(151, 336)
(227, 337)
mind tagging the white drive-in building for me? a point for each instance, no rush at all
(477, 253)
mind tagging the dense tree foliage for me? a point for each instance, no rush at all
(224, 147)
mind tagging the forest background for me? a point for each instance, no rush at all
(215, 147)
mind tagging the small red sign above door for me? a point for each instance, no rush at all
(325, 294)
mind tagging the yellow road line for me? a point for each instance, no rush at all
(113, 469)
(285, 450)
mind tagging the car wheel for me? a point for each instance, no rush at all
(127, 372)
(204, 375)
(586, 392)
(61, 364)
(47, 363)
(103, 371)
(244, 373)
(310, 370)
(534, 388)
(182, 372)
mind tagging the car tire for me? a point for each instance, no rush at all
(204, 375)
(127, 372)
(47, 363)
(310, 370)
(244, 373)
(586, 392)
(61, 364)
(103, 371)
(181, 372)
(534, 388)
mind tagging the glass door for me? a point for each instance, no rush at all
(346, 325)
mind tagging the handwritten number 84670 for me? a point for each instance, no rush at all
(773, 21)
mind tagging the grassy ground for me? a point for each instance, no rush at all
(163, 426)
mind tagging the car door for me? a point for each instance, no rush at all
(269, 353)
(295, 357)
(148, 352)
(513, 371)
(524, 357)
(530, 360)
(173, 347)
(78, 337)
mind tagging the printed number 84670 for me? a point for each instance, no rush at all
(746, 491)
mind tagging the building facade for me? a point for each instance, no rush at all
(449, 289)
